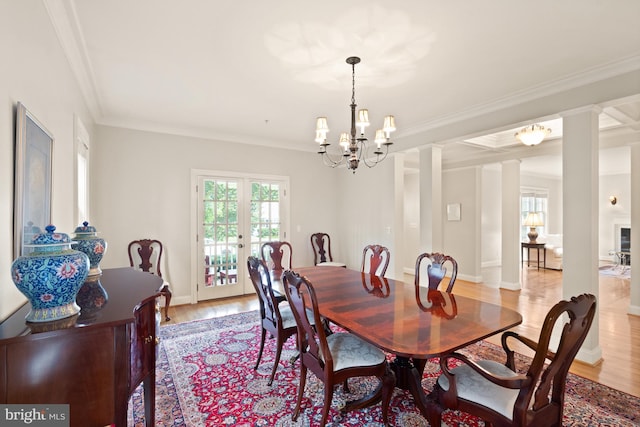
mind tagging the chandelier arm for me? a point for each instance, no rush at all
(329, 161)
(378, 159)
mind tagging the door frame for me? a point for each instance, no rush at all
(193, 220)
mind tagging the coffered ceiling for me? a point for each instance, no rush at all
(260, 72)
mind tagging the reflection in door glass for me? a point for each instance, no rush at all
(220, 223)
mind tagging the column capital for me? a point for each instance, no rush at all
(431, 145)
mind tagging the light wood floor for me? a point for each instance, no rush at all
(619, 332)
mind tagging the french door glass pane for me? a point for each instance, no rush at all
(220, 225)
(265, 214)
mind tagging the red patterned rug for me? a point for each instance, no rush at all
(205, 377)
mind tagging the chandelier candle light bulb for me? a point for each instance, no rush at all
(354, 148)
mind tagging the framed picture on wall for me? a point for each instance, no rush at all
(453, 212)
(33, 175)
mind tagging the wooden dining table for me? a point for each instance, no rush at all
(412, 323)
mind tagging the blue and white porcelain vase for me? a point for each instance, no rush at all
(50, 276)
(86, 240)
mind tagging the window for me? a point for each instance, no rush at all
(533, 200)
(81, 172)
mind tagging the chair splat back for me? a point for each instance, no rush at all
(321, 243)
(303, 302)
(277, 255)
(436, 270)
(149, 254)
(580, 312)
(259, 274)
(146, 255)
(376, 257)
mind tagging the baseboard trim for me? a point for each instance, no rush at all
(512, 286)
(634, 309)
(494, 263)
(473, 279)
(590, 356)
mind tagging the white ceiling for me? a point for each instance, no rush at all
(261, 71)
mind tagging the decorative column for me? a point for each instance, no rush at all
(431, 227)
(634, 306)
(398, 217)
(580, 190)
(511, 249)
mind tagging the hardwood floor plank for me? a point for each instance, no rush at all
(619, 332)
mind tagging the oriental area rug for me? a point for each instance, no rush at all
(205, 377)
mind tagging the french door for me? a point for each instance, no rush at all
(235, 215)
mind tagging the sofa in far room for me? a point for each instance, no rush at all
(553, 247)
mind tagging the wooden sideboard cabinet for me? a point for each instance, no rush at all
(92, 361)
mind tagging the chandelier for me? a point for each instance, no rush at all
(354, 147)
(532, 135)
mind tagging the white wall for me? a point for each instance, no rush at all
(491, 221)
(462, 238)
(34, 71)
(141, 189)
(411, 220)
(366, 204)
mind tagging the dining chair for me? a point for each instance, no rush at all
(275, 318)
(506, 395)
(321, 244)
(277, 255)
(332, 358)
(146, 255)
(375, 260)
(436, 269)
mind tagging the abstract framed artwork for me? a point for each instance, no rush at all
(33, 179)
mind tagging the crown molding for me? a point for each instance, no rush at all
(64, 19)
(573, 81)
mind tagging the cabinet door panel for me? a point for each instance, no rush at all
(71, 367)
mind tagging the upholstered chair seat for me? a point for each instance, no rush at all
(349, 351)
(331, 264)
(472, 386)
(288, 319)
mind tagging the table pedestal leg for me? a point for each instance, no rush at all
(409, 377)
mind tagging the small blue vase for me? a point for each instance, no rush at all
(50, 276)
(86, 240)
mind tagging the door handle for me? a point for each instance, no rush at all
(240, 245)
